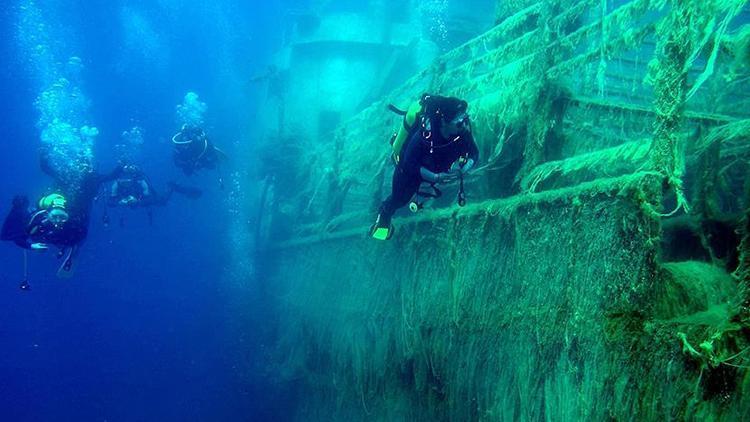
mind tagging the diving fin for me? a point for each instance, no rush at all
(381, 230)
(382, 233)
(68, 265)
(14, 226)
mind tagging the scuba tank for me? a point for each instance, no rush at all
(418, 114)
(411, 117)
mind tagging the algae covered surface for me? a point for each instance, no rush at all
(600, 268)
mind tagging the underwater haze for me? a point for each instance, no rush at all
(146, 329)
(337, 210)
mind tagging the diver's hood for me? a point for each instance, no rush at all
(53, 200)
(444, 107)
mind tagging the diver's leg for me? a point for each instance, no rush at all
(404, 186)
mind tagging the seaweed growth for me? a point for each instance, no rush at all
(742, 273)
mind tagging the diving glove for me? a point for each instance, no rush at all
(443, 178)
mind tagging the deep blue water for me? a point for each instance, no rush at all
(145, 330)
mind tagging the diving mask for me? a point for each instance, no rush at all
(57, 216)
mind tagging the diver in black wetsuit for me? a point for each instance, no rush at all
(37, 229)
(439, 149)
(133, 189)
(194, 151)
(79, 201)
(61, 219)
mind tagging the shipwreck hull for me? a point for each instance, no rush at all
(600, 268)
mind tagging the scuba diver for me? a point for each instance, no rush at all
(433, 146)
(133, 189)
(130, 188)
(194, 151)
(49, 224)
(60, 219)
(38, 228)
(35, 229)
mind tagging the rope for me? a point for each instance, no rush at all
(25, 264)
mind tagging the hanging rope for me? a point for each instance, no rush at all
(25, 282)
(25, 264)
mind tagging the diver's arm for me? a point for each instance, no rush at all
(145, 188)
(35, 238)
(429, 176)
(411, 161)
(23, 243)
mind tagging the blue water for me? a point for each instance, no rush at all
(148, 329)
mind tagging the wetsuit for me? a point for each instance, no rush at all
(135, 190)
(435, 154)
(192, 156)
(24, 228)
